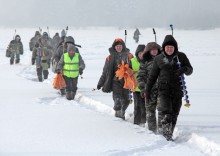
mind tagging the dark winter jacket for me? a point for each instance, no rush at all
(111, 66)
(146, 65)
(164, 69)
(44, 53)
(34, 40)
(55, 40)
(15, 46)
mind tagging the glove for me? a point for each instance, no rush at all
(80, 71)
(57, 71)
(37, 45)
(99, 87)
(143, 94)
(33, 61)
(180, 71)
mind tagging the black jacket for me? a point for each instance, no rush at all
(164, 69)
(111, 66)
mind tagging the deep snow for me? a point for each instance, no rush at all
(35, 120)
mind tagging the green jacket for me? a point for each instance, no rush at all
(135, 64)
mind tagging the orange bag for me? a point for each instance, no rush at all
(59, 82)
(128, 74)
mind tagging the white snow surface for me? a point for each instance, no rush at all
(36, 121)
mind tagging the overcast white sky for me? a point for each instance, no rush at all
(186, 14)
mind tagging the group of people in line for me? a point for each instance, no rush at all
(159, 83)
(156, 72)
(59, 52)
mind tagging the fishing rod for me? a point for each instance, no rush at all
(129, 91)
(48, 31)
(171, 27)
(154, 32)
(14, 35)
(66, 30)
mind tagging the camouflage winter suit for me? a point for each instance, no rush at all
(15, 49)
(34, 40)
(143, 74)
(42, 54)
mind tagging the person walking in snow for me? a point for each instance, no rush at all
(136, 35)
(108, 80)
(151, 50)
(62, 49)
(56, 40)
(41, 54)
(165, 70)
(34, 40)
(139, 104)
(71, 65)
(15, 49)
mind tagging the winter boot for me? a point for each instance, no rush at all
(17, 61)
(167, 127)
(117, 113)
(73, 95)
(68, 96)
(40, 79)
(11, 61)
(45, 73)
(62, 92)
(151, 120)
(123, 114)
(120, 114)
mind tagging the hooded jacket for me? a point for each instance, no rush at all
(146, 64)
(34, 40)
(16, 46)
(164, 69)
(111, 65)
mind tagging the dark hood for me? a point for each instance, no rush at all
(140, 48)
(169, 40)
(37, 33)
(112, 48)
(19, 38)
(151, 45)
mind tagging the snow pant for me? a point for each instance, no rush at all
(71, 87)
(136, 38)
(49, 62)
(151, 106)
(168, 110)
(42, 70)
(14, 56)
(139, 109)
(121, 98)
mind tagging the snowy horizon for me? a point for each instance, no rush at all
(188, 14)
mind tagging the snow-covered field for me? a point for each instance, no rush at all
(36, 121)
